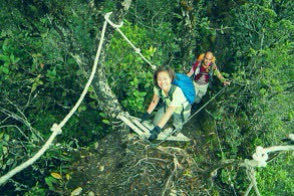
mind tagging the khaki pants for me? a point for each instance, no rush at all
(177, 118)
(200, 91)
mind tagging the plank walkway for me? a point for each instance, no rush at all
(142, 129)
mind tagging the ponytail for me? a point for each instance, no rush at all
(201, 57)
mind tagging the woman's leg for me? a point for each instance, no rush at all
(158, 115)
(200, 91)
(180, 119)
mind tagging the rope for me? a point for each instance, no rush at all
(137, 50)
(110, 22)
(252, 176)
(259, 160)
(57, 128)
(204, 105)
(261, 155)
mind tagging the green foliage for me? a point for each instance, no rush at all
(38, 85)
(40, 79)
(277, 177)
(129, 76)
(262, 68)
(256, 109)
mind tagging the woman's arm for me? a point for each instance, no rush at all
(221, 77)
(153, 103)
(169, 112)
(194, 66)
(190, 73)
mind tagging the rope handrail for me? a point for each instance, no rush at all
(261, 154)
(137, 50)
(259, 160)
(57, 128)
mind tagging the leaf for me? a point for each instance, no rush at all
(4, 58)
(5, 150)
(4, 70)
(106, 121)
(10, 161)
(82, 108)
(67, 176)
(15, 60)
(77, 191)
(49, 181)
(6, 137)
(56, 175)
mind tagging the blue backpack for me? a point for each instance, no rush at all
(187, 86)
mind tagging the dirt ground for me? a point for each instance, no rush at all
(138, 167)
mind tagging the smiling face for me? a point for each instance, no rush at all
(208, 59)
(164, 80)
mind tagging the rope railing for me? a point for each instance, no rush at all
(57, 128)
(259, 160)
(137, 50)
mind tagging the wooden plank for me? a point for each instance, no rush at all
(146, 124)
(141, 126)
(131, 125)
(142, 129)
(178, 137)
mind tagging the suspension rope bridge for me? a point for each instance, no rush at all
(142, 129)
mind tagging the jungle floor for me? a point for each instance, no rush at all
(137, 168)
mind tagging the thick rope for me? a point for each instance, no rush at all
(56, 128)
(261, 155)
(252, 177)
(259, 160)
(137, 50)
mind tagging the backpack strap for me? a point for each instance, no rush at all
(211, 70)
(169, 95)
(210, 73)
(171, 91)
(197, 69)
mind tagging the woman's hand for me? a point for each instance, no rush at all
(226, 83)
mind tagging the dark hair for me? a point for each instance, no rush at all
(167, 69)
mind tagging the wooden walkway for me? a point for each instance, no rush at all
(143, 129)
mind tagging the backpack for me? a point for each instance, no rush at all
(197, 71)
(185, 83)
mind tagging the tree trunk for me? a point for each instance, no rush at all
(108, 101)
(188, 34)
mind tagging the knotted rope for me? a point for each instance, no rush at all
(259, 160)
(261, 154)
